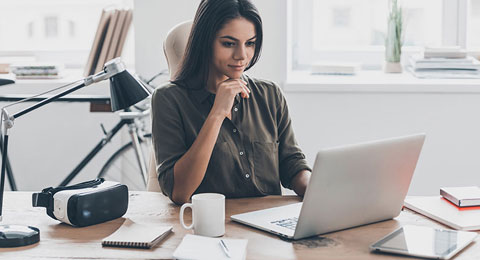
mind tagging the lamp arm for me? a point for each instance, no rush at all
(46, 101)
(112, 68)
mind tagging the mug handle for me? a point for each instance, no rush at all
(182, 209)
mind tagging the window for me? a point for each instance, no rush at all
(51, 27)
(354, 31)
(52, 30)
(473, 37)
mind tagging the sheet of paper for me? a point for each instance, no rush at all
(199, 247)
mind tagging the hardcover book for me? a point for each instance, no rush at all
(462, 196)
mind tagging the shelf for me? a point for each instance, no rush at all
(377, 82)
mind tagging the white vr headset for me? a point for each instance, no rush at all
(84, 204)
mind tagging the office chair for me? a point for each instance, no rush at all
(174, 48)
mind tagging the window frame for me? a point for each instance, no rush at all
(455, 17)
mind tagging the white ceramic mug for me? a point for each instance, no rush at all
(208, 214)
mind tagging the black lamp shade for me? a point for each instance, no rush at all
(125, 91)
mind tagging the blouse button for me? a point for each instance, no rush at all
(241, 153)
(247, 175)
(234, 130)
(235, 109)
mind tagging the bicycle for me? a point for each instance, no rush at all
(129, 159)
(121, 161)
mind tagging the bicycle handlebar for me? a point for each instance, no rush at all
(134, 115)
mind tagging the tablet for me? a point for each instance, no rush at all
(425, 242)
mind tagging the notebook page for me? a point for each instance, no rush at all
(199, 247)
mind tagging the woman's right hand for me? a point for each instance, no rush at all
(226, 92)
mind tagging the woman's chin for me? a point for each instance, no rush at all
(235, 75)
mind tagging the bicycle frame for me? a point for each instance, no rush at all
(108, 137)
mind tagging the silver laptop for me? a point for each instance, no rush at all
(350, 186)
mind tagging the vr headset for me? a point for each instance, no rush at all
(84, 204)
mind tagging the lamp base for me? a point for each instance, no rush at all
(18, 235)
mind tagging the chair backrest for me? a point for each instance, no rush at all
(174, 49)
(175, 44)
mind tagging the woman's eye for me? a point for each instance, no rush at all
(228, 44)
(250, 44)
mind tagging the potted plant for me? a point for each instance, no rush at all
(394, 39)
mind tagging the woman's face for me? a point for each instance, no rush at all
(233, 48)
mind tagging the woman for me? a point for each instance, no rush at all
(216, 129)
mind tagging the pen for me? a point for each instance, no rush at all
(225, 248)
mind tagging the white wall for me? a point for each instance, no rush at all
(452, 147)
(152, 20)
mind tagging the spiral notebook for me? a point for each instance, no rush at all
(132, 234)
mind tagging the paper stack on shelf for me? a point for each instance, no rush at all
(109, 39)
(451, 52)
(37, 70)
(335, 68)
(446, 62)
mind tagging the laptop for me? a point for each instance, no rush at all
(350, 186)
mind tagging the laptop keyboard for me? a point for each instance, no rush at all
(289, 223)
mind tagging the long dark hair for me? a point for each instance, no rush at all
(211, 16)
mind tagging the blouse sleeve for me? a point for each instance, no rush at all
(167, 136)
(291, 158)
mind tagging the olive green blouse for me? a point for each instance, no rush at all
(254, 152)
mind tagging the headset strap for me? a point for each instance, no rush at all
(45, 198)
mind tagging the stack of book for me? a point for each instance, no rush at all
(448, 62)
(109, 39)
(36, 70)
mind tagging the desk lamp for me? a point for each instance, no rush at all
(125, 91)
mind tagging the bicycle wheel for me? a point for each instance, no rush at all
(123, 165)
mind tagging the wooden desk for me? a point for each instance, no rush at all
(60, 241)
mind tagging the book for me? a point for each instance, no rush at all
(199, 247)
(468, 63)
(444, 73)
(419, 59)
(97, 42)
(102, 58)
(441, 210)
(109, 38)
(462, 196)
(454, 52)
(37, 70)
(133, 234)
(112, 49)
(124, 33)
